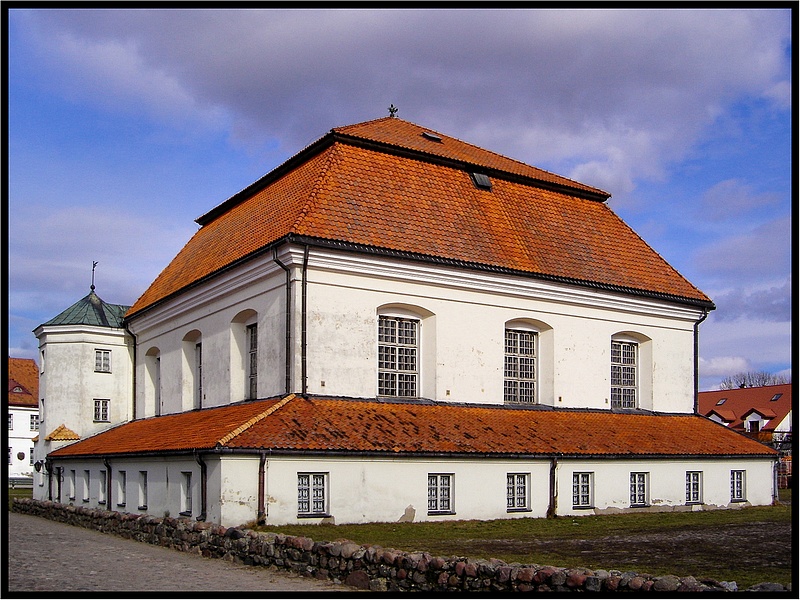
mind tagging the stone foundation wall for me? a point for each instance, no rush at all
(364, 567)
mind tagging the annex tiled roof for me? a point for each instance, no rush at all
(62, 433)
(773, 402)
(333, 425)
(382, 185)
(23, 374)
(91, 310)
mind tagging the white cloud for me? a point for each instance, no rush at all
(722, 366)
(731, 198)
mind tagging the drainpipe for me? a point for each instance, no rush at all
(697, 358)
(304, 318)
(261, 518)
(552, 507)
(108, 483)
(133, 377)
(48, 466)
(203, 485)
(288, 320)
(59, 477)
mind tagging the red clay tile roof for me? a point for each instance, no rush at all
(740, 402)
(62, 433)
(360, 426)
(356, 188)
(23, 373)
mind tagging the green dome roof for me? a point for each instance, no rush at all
(91, 310)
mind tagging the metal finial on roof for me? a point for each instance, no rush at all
(392, 110)
(94, 264)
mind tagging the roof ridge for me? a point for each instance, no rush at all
(319, 183)
(253, 420)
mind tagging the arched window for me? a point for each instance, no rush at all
(193, 364)
(522, 364)
(400, 350)
(244, 355)
(630, 374)
(153, 388)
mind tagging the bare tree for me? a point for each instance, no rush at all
(751, 379)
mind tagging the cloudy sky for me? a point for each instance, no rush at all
(126, 125)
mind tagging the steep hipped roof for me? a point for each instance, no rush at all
(23, 374)
(91, 310)
(772, 402)
(331, 425)
(392, 186)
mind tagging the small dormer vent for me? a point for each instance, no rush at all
(481, 181)
(431, 136)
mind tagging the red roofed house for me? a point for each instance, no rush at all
(23, 418)
(398, 325)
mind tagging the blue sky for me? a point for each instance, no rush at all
(126, 125)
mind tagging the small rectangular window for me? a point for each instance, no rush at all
(72, 484)
(101, 494)
(11, 421)
(31, 456)
(10, 459)
(101, 410)
(122, 488)
(738, 487)
(87, 479)
(186, 493)
(582, 492)
(639, 495)
(518, 492)
(34, 422)
(694, 489)
(481, 181)
(440, 493)
(312, 494)
(142, 490)
(102, 361)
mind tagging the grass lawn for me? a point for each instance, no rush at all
(652, 543)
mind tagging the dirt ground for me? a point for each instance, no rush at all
(686, 551)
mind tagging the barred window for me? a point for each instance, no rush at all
(737, 486)
(517, 491)
(398, 352)
(102, 361)
(312, 494)
(34, 422)
(252, 350)
(582, 490)
(520, 366)
(186, 493)
(639, 489)
(693, 486)
(623, 374)
(440, 493)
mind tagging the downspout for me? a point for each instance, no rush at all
(48, 466)
(552, 507)
(133, 377)
(59, 476)
(203, 485)
(288, 384)
(304, 318)
(697, 358)
(108, 482)
(261, 518)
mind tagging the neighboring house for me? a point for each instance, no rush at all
(23, 418)
(763, 413)
(397, 325)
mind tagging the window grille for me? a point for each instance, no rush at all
(623, 374)
(581, 490)
(638, 489)
(737, 486)
(34, 422)
(693, 486)
(252, 350)
(398, 351)
(520, 367)
(517, 497)
(198, 358)
(311, 494)
(440, 497)
(101, 410)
